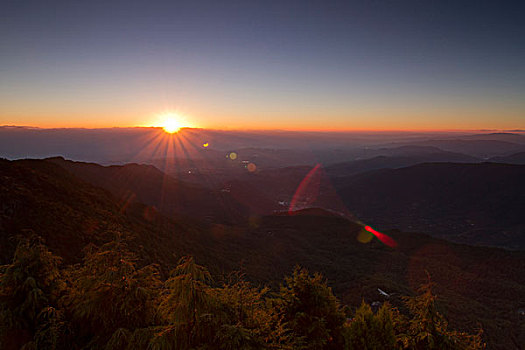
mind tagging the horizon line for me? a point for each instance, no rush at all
(482, 130)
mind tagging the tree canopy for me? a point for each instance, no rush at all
(110, 301)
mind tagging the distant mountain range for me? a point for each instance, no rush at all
(479, 204)
(471, 203)
(214, 184)
(516, 158)
(498, 136)
(474, 147)
(397, 158)
(268, 148)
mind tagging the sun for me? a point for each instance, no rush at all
(171, 125)
(171, 122)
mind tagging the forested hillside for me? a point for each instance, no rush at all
(85, 270)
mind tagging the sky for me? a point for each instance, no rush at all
(303, 65)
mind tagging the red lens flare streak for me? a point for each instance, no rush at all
(382, 237)
(308, 189)
(307, 193)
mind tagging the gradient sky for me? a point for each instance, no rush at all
(240, 64)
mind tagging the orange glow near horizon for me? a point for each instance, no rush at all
(171, 122)
(171, 126)
(202, 117)
(265, 129)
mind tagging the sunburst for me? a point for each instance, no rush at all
(171, 124)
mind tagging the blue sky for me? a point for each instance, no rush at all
(242, 64)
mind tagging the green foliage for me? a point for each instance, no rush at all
(371, 331)
(141, 338)
(109, 302)
(428, 329)
(310, 309)
(52, 330)
(29, 287)
(109, 292)
(186, 306)
(279, 335)
(247, 319)
(241, 303)
(188, 294)
(232, 337)
(119, 340)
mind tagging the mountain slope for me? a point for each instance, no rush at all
(477, 148)
(470, 203)
(389, 162)
(516, 158)
(148, 185)
(475, 284)
(498, 136)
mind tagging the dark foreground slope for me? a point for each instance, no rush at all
(42, 197)
(477, 286)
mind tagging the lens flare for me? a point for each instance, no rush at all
(307, 191)
(389, 241)
(306, 195)
(364, 236)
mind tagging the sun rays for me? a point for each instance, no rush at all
(171, 126)
(171, 123)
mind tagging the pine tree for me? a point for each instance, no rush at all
(371, 331)
(243, 317)
(185, 306)
(311, 311)
(428, 329)
(29, 289)
(109, 292)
